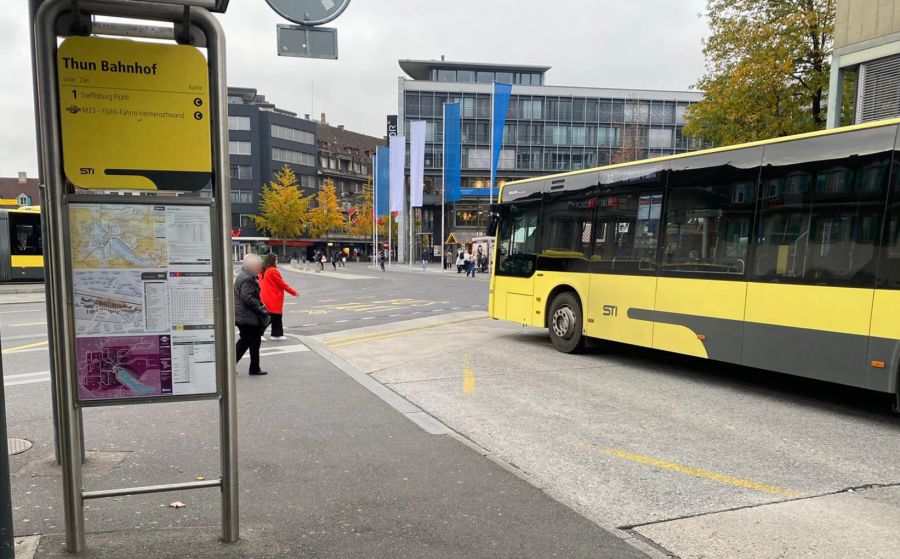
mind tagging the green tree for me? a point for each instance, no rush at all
(767, 70)
(283, 209)
(327, 216)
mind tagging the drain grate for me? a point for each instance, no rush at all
(17, 446)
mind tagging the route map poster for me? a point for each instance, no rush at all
(142, 286)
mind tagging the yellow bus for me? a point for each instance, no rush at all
(782, 254)
(21, 245)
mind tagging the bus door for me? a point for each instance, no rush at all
(565, 245)
(702, 285)
(623, 261)
(512, 284)
(810, 297)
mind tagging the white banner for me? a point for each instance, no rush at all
(398, 164)
(416, 162)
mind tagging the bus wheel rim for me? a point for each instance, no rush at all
(563, 322)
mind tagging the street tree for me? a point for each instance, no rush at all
(283, 209)
(361, 223)
(327, 216)
(767, 70)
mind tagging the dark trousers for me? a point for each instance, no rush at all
(277, 325)
(250, 338)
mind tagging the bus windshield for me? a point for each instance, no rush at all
(517, 240)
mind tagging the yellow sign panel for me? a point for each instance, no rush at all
(134, 116)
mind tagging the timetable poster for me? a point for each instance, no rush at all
(143, 297)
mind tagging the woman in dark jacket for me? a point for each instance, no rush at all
(250, 314)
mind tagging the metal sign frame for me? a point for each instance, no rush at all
(51, 17)
(304, 20)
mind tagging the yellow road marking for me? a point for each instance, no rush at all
(697, 472)
(26, 346)
(30, 324)
(340, 342)
(468, 375)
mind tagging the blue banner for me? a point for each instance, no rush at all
(452, 152)
(502, 93)
(382, 180)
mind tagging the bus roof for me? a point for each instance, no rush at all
(876, 124)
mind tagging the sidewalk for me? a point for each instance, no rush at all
(328, 469)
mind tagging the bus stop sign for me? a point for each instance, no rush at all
(309, 12)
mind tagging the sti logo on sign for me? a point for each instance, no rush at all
(134, 116)
(392, 125)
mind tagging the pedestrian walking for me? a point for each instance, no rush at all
(322, 260)
(334, 260)
(250, 315)
(448, 259)
(344, 258)
(381, 258)
(426, 256)
(469, 262)
(460, 260)
(272, 290)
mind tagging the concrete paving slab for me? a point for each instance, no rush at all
(327, 470)
(632, 436)
(829, 527)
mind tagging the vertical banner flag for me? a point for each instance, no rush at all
(452, 152)
(382, 180)
(398, 163)
(416, 162)
(502, 92)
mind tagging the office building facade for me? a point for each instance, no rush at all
(345, 158)
(262, 138)
(865, 63)
(549, 129)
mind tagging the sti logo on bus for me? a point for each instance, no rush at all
(610, 310)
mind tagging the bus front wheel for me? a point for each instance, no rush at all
(565, 323)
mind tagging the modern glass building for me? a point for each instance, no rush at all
(549, 129)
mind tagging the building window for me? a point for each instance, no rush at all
(446, 75)
(23, 199)
(238, 147)
(293, 134)
(291, 156)
(241, 196)
(660, 138)
(469, 217)
(239, 123)
(247, 222)
(241, 172)
(485, 77)
(465, 76)
(235, 100)
(680, 112)
(504, 77)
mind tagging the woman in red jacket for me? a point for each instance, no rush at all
(272, 288)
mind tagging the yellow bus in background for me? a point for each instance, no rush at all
(782, 254)
(21, 244)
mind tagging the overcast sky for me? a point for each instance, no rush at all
(648, 44)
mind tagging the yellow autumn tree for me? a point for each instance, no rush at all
(327, 216)
(361, 224)
(283, 209)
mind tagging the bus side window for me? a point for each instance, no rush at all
(25, 234)
(889, 258)
(820, 207)
(709, 212)
(567, 223)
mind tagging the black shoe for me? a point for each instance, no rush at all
(259, 373)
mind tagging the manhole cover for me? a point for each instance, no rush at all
(17, 446)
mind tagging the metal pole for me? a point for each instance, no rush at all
(215, 38)
(491, 154)
(45, 235)
(60, 329)
(390, 236)
(443, 188)
(375, 212)
(7, 535)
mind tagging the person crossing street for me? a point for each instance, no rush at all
(272, 290)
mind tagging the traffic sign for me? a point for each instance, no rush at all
(134, 115)
(309, 12)
(307, 42)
